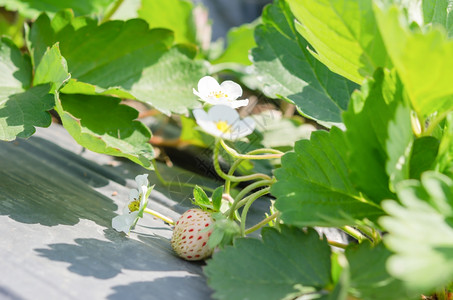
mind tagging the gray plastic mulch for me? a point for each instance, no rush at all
(56, 206)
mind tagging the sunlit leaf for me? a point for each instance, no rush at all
(239, 43)
(428, 83)
(344, 35)
(175, 15)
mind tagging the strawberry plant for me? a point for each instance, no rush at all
(374, 76)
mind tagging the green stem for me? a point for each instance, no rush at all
(236, 164)
(244, 192)
(112, 11)
(248, 202)
(230, 173)
(262, 223)
(235, 154)
(231, 177)
(354, 233)
(179, 184)
(372, 233)
(159, 215)
(337, 244)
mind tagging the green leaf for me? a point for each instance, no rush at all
(217, 198)
(52, 69)
(21, 107)
(140, 63)
(420, 232)
(201, 199)
(175, 15)
(439, 12)
(444, 161)
(369, 276)
(103, 125)
(16, 72)
(224, 231)
(21, 112)
(399, 145)
(371, 120)
(279, 132)
(427, 93)
(288, 70)
(424, 153)
(32, 8)
(239, 43)
(344, 35)
(313, 187)
(192, 135)
(282, 266)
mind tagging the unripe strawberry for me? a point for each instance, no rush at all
(190, 237)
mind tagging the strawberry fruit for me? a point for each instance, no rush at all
(190, 237)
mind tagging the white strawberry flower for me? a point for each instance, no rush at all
(138, 200)
(224, 122)
(226, 93)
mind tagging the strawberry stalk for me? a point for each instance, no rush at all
(160, 216)
(231, 177)
(248, 201)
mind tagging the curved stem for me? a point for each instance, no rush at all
(235, 154)
(354, 233)
(179, 184)
(112, 11)
(236, 164)
(248, 202)
(372, 233)
(337, 244)
(244, 192)
(159, 215)
(262, 223)
(230, 173)
(231, 177)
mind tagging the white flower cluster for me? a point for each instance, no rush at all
(222, 120)
(138, 200)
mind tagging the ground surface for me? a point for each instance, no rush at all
(56, 206)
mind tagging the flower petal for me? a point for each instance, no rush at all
(246, 126)
(232, 89)
(200, 115)
(142, 180)
(133, 195)
(123, 223)
(206, 85)
(223, 113)
(210, 128)
(239, 103)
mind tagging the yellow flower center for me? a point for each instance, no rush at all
(134, 206)
(219, 94)
(223, 126)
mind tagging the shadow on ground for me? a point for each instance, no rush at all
(106, 259)
(45, 184)
(164, 288)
